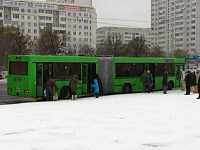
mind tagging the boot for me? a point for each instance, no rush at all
(75, 97)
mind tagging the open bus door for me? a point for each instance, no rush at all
(88, 72)
(177, 75)
(39, 80)
(85, 78)
(152, 71)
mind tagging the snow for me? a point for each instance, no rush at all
(137, 121)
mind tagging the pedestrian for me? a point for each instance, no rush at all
(96, 88)
(193, 81)
(183, 81)
(74, 86)
(198, 87)
(143, 79)
(101, 92)
(165, 82)
(50, 87)
(188, 82)
(149, 81)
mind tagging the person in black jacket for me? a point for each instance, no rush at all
(188, 82)
(193, 81)
(198, 87)
(165, 76)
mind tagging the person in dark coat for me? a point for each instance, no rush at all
(165, 82)
(143, 79)
(74, 86)
(198, 87)
(149, 81)
(188, 82)
(101, 92)
(193, 81)
(50, 85)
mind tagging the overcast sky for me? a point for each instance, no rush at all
(138, 10)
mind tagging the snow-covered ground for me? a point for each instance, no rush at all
(138, 121)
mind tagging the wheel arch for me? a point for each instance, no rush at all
(127, 84)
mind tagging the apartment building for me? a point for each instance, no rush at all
(79, 2)
(76, 20)
(128, 34)
(176, 25)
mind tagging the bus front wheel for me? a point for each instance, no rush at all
(65, 93)
(126, 89)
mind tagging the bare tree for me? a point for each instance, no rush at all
(138, 47)
(87, 50)
(12, 42)
(156, 52)
(179, 53)
(51, 42)
(113, 45)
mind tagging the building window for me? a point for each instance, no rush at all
(35, 24)
(85, 39)
(29, 24)
(86, 27)
(15, 15)
(85, 33)
(15, 8)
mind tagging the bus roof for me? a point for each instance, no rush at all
(50, 58)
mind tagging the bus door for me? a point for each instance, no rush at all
(152, 71)
(85, 78)
(39, 80)
(177, 75)
(88, 72)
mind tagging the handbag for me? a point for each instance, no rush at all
(55, 97)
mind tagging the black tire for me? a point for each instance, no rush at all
(126, 89)
(170, 85)
(65, 93)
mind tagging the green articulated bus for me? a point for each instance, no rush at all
(27, 75)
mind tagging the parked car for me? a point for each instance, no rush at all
(4, 74)
(1, 77)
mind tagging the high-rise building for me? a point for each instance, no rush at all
(127, 34)
(79, 2)
(78, 20)
(176, 25)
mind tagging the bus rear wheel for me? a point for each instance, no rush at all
(65, 93)
(170, 85)
(126, 89)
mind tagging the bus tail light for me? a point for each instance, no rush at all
(9, 89)
(26, 91)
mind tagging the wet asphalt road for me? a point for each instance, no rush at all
(6, 99)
